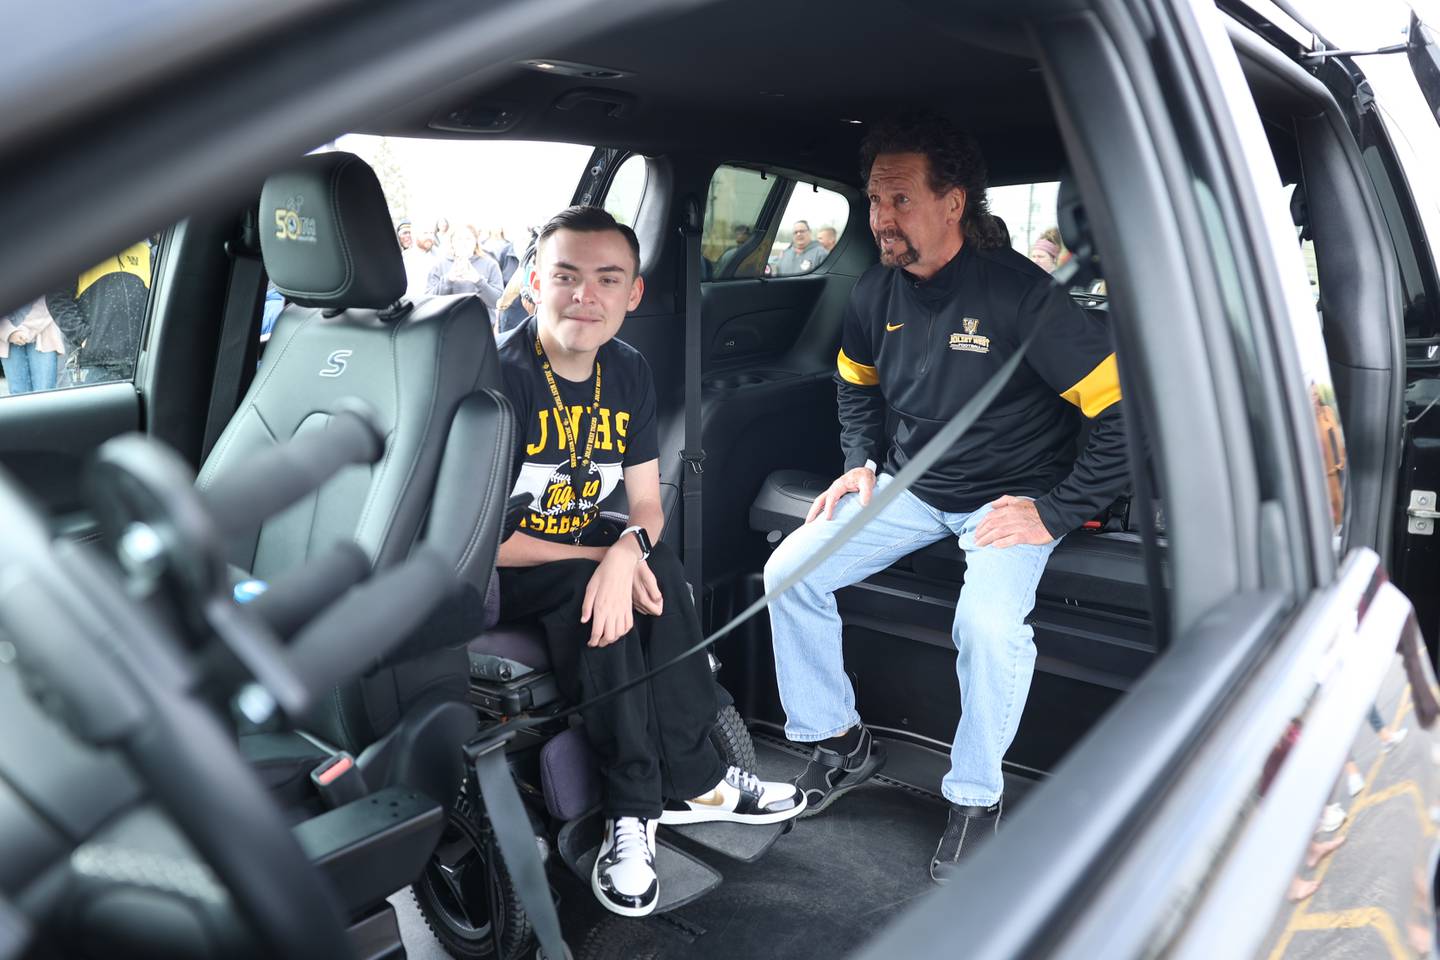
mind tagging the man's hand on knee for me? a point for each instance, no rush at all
(645, 591)
(1011, 521)
(607, 605)
(861, 480)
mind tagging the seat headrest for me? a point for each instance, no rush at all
(326, 237)
(1004, 230)
(1067, 213)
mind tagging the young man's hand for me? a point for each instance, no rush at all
(646, 595)
(1011, 521)
(608, 596)
(861, 480)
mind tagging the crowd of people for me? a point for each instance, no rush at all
(87, 331)
(446, 260)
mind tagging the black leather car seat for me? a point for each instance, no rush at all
(429, 371)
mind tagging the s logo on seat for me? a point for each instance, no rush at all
(335, 363)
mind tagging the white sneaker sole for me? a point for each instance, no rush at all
(611, 905)
(675, 818)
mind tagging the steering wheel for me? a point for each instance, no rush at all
(113, 657)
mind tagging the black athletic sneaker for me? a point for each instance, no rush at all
(830, 774)
(966, 830)
(624, 877)
(739, 797)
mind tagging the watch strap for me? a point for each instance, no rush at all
(641, 537)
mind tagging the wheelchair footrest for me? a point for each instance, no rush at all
(683, 879)
(738, 841)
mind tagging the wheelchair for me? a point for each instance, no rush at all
(465, 893)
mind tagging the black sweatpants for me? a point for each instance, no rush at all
(653, 740)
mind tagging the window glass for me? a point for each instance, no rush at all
(85, 331)
(465, 210)
(1028, 210)
(811, 226)
(622, 200)
(728, 242)
(1315, 362)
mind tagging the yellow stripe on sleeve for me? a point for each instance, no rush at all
(856, 373)
(1097, 390)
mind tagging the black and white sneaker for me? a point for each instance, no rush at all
(739, 797)
(624, 877)
(966, 830)
(829, 774)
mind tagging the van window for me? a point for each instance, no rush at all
(482, 199)
(627, 188)
(728, 242)
(86, 330)
(1028, 210)
(811, 226)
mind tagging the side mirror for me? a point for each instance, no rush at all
(1423, 51)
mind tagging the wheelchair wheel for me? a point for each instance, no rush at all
(732, 738)
(466, 895)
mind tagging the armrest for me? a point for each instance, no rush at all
(373, 846)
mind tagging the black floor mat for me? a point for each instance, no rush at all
(821, 890)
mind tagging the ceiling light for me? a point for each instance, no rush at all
(856, 122)
(569, 68)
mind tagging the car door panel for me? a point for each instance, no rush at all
(769, 400)
(752, 321)
(45, 438)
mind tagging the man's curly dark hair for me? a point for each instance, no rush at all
(955, 161)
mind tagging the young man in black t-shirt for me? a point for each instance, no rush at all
(585, 404)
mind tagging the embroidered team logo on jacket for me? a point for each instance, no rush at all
(970, 340)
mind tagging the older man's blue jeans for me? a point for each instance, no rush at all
(995, 646)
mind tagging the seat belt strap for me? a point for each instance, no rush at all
(239, 345)
(516, 839)
(694, 453)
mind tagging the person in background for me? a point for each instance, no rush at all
(274, 303)
(468, 270)
(827, 237)
(803, 254)
(503, 251)
(442, 237)
(101, 315)
(742, 237)
(416, 256)
(517, 303)
(31, 349)
(1045, 251)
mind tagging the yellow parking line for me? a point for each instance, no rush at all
(1372, 917)
(1404, 788)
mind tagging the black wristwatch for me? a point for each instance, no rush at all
(642, 538)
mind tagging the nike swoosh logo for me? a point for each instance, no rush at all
(712, 799)
(892, 329)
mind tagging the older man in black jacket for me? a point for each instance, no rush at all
(925, 329)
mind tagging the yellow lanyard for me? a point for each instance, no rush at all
(577, 465)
